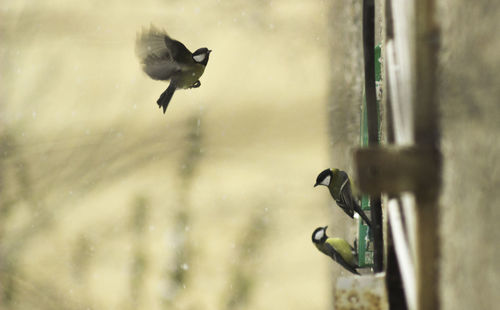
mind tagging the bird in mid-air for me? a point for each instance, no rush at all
(163, 58)
(339, 184)
(337, 248)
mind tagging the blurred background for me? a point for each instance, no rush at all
(106, 203)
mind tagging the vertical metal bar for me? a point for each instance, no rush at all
(395, 291)
(373, 123)
(402, 251)
(365, 237)
(369, 58)
(427, 137)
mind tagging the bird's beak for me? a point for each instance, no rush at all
(209, 51)
(325, 227)
(315, 185)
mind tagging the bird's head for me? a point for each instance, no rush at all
(324, 178)
(201, 55)
(319, 235)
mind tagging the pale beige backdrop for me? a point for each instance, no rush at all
(106, 203)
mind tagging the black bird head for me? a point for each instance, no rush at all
(324, 178)
(201, 55)
(319, 235)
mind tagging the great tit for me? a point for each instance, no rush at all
(337, 248)
(163, 58)
(339, 184)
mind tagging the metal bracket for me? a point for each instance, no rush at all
(394, 170)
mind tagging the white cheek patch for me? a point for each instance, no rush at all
(199, 58)
(326, 181)
(319, 235)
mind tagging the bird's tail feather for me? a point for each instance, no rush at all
(358, 210)
(165, 97)
(365, 217)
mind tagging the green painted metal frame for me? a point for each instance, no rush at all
(365, 239)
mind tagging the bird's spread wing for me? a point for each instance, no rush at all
(330, 251)
(156, 57)
(179, 51)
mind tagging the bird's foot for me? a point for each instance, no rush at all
(196, 84)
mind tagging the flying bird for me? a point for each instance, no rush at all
(166, 59)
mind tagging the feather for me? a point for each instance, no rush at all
(155, 57)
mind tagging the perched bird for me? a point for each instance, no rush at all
(339, 185)
(163, 58)
(337, 248)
